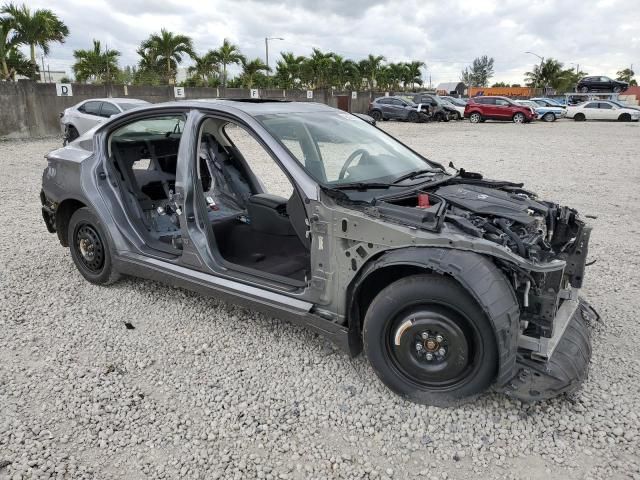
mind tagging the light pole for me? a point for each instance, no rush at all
(577, 67)
(541, 60)
(266, 48)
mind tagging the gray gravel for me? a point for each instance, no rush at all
(205, 389)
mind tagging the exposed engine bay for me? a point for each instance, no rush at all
(538, 231)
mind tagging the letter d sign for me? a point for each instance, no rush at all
(64, 90)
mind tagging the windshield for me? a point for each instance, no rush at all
(339, 148)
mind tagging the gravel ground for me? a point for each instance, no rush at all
(204, 389)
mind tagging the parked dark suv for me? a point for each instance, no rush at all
(398, 108)
(479, 109)
(600, 84)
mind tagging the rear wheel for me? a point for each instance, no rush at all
(625, 117)
(579, 117)
(549, 117)
(90, 249)
(475, 117)
(376, 115)
(518, 118)
(71, 134)
(428, 341)
(413, 116)
(584, 89)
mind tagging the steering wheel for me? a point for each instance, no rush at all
(360, 152)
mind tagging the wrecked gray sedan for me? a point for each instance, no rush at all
(450, 282)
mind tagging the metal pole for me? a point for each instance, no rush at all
(266, 49)
(43, 72)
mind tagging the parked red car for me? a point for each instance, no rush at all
(479, 109)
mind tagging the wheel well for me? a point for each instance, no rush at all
(624, 116)
(375, 282)
(63, 215)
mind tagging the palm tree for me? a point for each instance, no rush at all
(370, 67)
(396, 74)
(228, 54)
(96, 64)
(339, 71)
(412, 74)
(36, 29)
(250, 69)
(353, 75)
(205, 66)
(168, 50)
(317, 68)
(288, 70)
(549, 74)
(6, 44)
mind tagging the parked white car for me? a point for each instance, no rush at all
(456, 107)
(85, 115)
(602, 110)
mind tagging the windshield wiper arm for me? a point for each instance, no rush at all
(360, 186)
(413, 174)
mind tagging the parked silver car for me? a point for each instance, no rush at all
(85, 115)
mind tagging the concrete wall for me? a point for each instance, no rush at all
(29, 109)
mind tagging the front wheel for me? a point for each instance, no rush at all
(518, 118)
(617, 89)
(584, 89)
(475, 117)
(579, 117)
(625, 117)
(427, 340)
(90, 249)
(413, 116)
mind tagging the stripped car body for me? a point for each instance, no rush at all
(520, 259)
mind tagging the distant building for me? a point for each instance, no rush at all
(451, 88)
(52, 76)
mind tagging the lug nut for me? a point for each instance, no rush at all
(429, 356)
(441, 352)
(425, 335)
(418, 346)
(439, 338)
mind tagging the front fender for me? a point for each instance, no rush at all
(479, 276)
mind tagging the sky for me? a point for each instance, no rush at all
(601, 36)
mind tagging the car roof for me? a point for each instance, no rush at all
(250, 106)
(116, 100)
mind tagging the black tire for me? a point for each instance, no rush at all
(625, 117)
(617, 89)
(518, 117)
(445, 117)
(584, 89)
(90, 248)
(458, 116)
(412, 116)
(431, 305)
(579, 117)
(549, 117)
(475, 117)
(71, 134)
(376, 115)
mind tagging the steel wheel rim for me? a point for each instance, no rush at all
(89, 248)
(444, 371)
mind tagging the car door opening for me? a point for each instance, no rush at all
(258, 221)
(145, 155)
